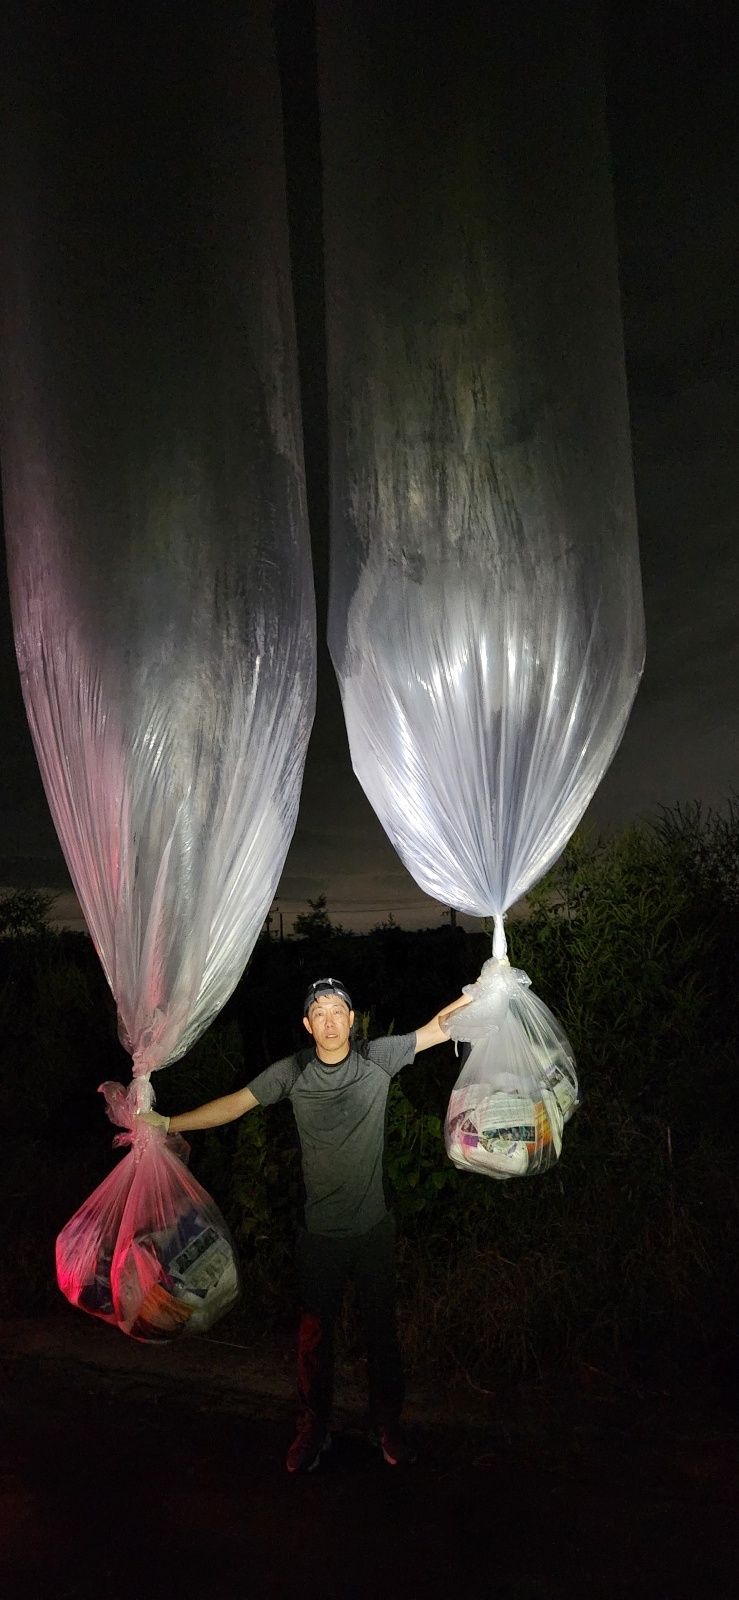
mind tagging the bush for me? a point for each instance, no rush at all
(24, 913)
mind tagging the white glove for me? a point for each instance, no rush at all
(153, 1120)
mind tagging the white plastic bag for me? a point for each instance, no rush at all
(518, 1086)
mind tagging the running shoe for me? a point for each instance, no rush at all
(310, 1443)
(396, 1448)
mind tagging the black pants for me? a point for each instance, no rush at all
(325, 1264)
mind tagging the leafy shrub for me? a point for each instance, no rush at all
(24, 913)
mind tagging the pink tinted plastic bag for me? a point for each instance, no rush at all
(149, 1250)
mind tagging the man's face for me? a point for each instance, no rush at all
(329, 1021)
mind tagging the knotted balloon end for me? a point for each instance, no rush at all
(500, 943)
(122, 1105)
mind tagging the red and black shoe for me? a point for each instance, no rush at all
(396, 1448)
(311, 1442)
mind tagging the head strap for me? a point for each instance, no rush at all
(326, 986)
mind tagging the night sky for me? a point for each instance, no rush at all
(672, 110)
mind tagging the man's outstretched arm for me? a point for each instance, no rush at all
(212, 1115)
(433, 1032)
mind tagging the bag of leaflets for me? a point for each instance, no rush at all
(518, 1086)
(149, 1250)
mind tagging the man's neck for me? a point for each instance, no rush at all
(334, 1058)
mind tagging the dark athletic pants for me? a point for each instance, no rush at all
(325, 1264)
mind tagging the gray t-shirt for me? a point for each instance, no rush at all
(340, 1113)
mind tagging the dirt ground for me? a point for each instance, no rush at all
(129, 1471)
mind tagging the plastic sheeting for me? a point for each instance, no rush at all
(153, 485)
(485, 616)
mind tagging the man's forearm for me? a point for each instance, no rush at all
(215, 1113)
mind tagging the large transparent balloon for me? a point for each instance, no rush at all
(153, 485)
(486, 619)
(153, 489)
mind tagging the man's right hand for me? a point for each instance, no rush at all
(153, 1120)
(434, 1031)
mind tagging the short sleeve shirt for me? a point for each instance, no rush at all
(340, 1111)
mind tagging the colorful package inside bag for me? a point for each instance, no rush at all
(149, 1250)
(518, 1086)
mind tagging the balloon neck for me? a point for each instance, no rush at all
(500, 943)
(140, 1094)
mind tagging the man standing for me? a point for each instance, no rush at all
(338, 1092)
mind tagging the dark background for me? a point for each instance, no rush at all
(672, 108)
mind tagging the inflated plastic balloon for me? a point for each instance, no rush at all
(153, 486)
(486, 619)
